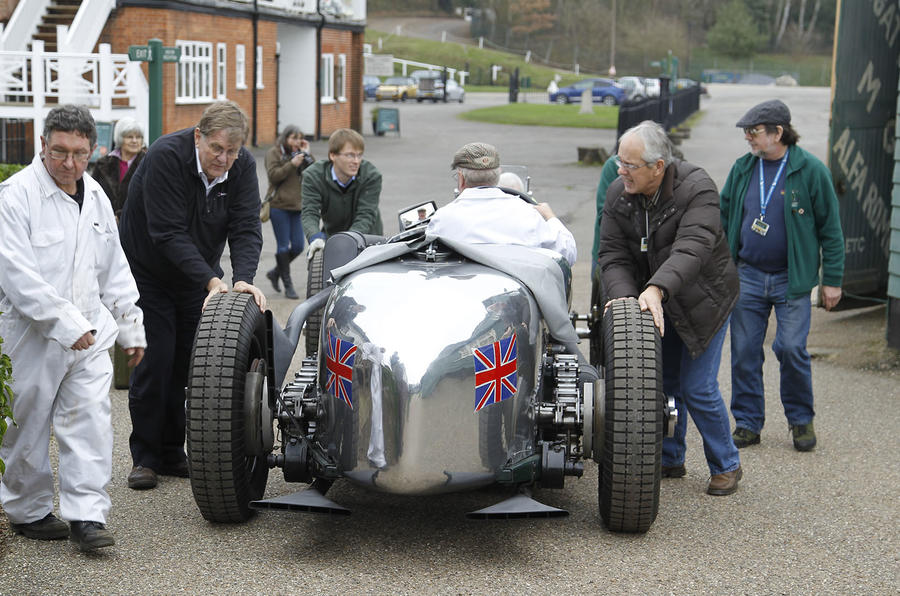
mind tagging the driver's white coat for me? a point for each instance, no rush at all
(487, 215)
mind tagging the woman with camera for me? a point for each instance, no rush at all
(285, 163)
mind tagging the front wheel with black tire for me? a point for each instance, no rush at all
(314, 285)
(633, 431)
(227, 473)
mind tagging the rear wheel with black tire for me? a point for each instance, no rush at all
(226, 472)
(632, 443)
(609, 100)
(314, 284)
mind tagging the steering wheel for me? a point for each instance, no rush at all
(522, 195)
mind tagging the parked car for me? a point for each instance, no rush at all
(396, 88)
(652, 87)
(605, 91)
(429, 85)
(370, 84)
(455, 91)
(634, 88)
(686, 83)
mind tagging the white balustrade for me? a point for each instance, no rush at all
(31, 83)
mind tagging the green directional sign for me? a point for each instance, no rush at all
(155, 54)
(171, 54)
(139, 53)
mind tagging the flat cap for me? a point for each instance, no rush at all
(773, 111)
(476, 156)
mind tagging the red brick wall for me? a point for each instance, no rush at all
(347, 114)
(135, 26)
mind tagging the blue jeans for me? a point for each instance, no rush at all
(760, 291)
(694, 384)
(288, 230)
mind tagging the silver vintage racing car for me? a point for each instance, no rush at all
(435, 367)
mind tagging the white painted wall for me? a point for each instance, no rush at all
(297, 77)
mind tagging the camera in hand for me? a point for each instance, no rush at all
(307, 158)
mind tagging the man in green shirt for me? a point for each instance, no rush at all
(341, 193)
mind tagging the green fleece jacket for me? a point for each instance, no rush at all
(810, 214)
(354, 208)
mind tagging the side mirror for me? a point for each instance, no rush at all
(415, 215)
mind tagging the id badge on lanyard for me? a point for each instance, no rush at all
(759, 225)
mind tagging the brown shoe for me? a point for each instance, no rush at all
(725, 483)
(142, 478)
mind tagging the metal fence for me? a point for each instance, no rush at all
(669, 109)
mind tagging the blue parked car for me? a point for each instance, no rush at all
(605, 91)
(370, 84)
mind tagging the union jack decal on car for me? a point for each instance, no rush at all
(495, 372)
(339, 364)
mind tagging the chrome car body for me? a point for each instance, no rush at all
(410, 378)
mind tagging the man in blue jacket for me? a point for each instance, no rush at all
(780, 213)
(195, 189)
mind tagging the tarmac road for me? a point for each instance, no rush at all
(823, 522)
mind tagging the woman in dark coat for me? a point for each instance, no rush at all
(114, 170)
(285, 163)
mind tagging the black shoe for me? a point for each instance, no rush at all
(744, 438)
(89, 535)
(180, 469)
(289, 291)
(142, 478)
(673, 471)
(804, 437)
(274, 276)
(47, 528)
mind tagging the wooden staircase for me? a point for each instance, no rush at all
(60, 12)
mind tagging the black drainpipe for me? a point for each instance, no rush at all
(255, 66)
(319, 69)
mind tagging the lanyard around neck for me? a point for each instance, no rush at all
(764, 200)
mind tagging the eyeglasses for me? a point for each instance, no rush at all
(217, 150)
(77, 156)
(754, 131)
(353, 156)
(628, 166)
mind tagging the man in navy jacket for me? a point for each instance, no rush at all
(195, 189)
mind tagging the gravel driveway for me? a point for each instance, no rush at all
(819, 522)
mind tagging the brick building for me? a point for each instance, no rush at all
(274, 79)
(284, 61)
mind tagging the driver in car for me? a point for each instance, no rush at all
(486, 214)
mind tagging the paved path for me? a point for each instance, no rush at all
(822, 523)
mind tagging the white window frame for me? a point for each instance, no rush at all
(221, 70)
(240, 66)
(340, 78)
(326, 75)
(259, 67)
(193, 74)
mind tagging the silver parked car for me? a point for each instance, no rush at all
(455, 91)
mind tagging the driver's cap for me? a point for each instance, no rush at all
(476, 156)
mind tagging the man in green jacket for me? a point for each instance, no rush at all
(780, 213)
(342, 192)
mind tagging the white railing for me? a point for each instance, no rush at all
(451, 72)
(29, 81)
(23, 24)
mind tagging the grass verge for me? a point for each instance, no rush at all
(530, 114)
